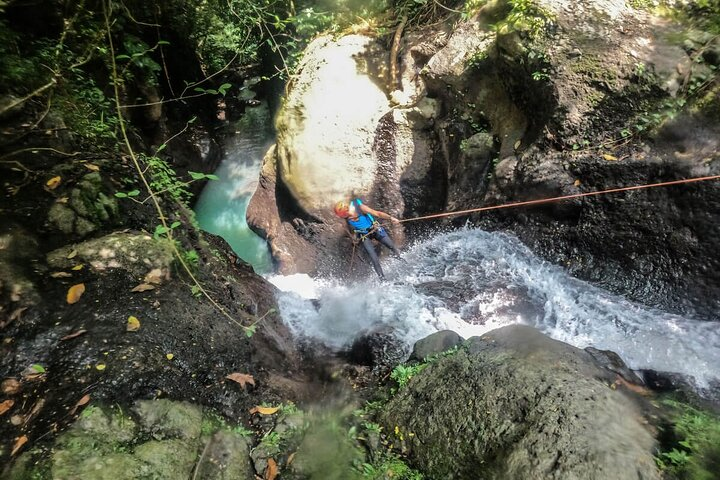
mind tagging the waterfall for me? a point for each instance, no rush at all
(472, 281)
(222, 205)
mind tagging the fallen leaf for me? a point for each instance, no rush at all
(264, 410)
(17, 420)
(73, 335)
(34, 412)
(609, 158)
(60, 275)
(62, 200)
(36, 367)
(133, 324)
(10, 386)
(142, 288)
(92, 166)
(169, 356)
(100, 366)
(517, 145)
(640, 390)
(75, 292)
(53, 183)
(72, 254)
(18, 444)
(83, 401)
(78, 267)
(154, 276)
(291, 458)
(272, 470)
(241, 378)
(6, 405)
(577, 183)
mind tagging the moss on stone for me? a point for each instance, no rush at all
(167, 419)
(87, 208)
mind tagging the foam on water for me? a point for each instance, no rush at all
(472, 281)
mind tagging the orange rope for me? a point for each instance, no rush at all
(564, 197)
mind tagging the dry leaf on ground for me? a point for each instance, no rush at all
(75, 292)
(83, 401)
(6, 405)
(73, 335)
(264, 410)
(272, 470)
(18, 444)
(133, 324)
(154, 276)
(143, 287)
(53, 183)
(10, 386)
(241, 378)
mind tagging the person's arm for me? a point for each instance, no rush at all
(377, 213)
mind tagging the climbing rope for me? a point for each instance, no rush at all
(563, 197)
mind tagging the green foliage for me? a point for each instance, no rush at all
(525, 16)
(390, 466)
(164, 179)
(694, 452)
(403, 373)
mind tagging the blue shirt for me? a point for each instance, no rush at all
(364, 222)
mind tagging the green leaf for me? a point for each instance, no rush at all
(210, 176)
(133, 193)
(223, 88)
(192, 120)
(122, 57)
(199, 89)
(163, 42)
(175, 224)
(250, 331)
(161, 148)
(196, 175)
(121, 194)
(38, 368)
(211, 91)
(161, 229)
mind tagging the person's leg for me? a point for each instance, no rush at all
(370, 249)
(385, 239)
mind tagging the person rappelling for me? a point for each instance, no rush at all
(363, 228)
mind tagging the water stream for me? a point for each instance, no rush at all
(470, 281)
(222, 205)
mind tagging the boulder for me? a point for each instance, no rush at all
(327, 124)
(435, 343)
(515, 404)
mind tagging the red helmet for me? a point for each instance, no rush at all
(342, 209)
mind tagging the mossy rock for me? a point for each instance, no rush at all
(135, 253)
(87, 209)
(167, 419)
(169, 458)
(515, 404)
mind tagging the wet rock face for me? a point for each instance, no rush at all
(655, 246)
(515, 404)
(378, 348)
